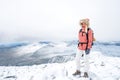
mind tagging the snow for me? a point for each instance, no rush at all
(55, 61)
(28, 49)
(101, 68)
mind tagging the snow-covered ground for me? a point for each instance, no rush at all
(101, 68)
(59, 61)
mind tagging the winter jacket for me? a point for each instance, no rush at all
(85, 39)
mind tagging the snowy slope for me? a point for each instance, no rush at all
(25, 53)
(55, 61)
(21, 54)
(101, 68)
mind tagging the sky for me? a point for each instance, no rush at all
(57, 20)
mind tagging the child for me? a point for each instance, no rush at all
(86, 38)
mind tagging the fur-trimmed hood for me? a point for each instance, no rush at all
(86, 21)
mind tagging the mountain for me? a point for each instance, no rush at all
(55, 61)
(25, 53)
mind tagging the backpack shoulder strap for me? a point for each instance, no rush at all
(80, 30)
(89, 29)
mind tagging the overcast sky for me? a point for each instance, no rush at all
(36, 20)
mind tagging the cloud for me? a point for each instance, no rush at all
(57, 20)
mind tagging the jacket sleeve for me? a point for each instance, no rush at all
(90, 39)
